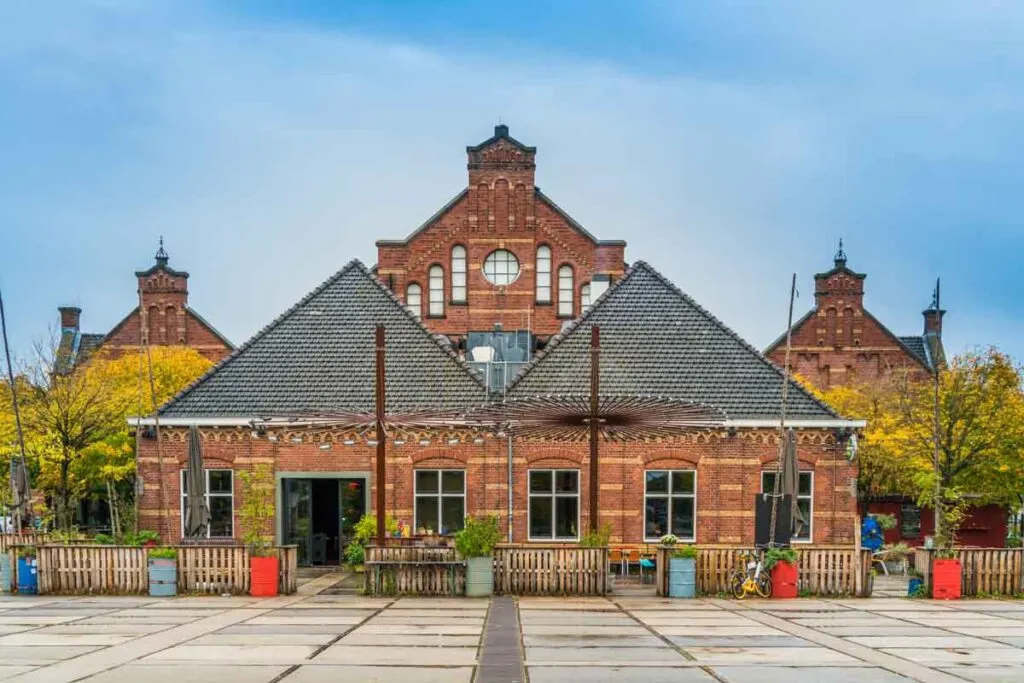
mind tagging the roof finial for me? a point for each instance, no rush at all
(935, 296)
(161, 255)
(840, 256)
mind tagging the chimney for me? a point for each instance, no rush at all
(69, 317)
(933, 315)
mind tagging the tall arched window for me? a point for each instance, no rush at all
(565, 291)
(848, 327)
(435, 290)
(543, 274)
(414, 299)
(458, 274)
(585, 296)
(831, 320)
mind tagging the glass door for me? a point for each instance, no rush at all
(298, 517)
(353, 506)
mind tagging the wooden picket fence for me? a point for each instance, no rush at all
(984, 571)
(550, 570)
(34, 538)
(411, 570)
(821, 570)
(124, 570)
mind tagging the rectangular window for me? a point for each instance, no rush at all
(804, 500)
(670, 504)
(220, 501)
(565, 292)
(440, 500)
(543, 274)
(435, 290)
(554, 505)
(910, 521)
(459, 274)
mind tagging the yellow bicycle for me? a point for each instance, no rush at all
(751, 578)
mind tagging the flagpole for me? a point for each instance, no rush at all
(17, 413)
(782, 415)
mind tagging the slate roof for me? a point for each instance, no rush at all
(919, 347)
(655, 340)
(319, 357)
(74, 347)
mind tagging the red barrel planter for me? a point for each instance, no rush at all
(946, 579)
(784, 576)
(263, 573)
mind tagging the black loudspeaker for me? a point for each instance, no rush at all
(763, 520)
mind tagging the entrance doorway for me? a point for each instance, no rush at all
(319, 516)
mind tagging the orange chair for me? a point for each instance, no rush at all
(615, 555)
(634, 558)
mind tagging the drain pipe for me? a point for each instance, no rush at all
(508, 433)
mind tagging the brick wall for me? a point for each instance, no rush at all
(728, 476)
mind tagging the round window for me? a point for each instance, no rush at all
(501, 267)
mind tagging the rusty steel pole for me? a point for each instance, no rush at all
(595, 387)
(381, 445)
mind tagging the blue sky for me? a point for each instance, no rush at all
(731, 143)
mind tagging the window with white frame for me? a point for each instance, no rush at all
(543, 274)
(501, 267)
(804, 500)
(440, 500)
(670, 504)
(220, 501)
(565, 292)
(554, 505)
(414, 299)
(435, 290)
(585, 296)
(459, 274)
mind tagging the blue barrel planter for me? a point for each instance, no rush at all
(163, 578)
(682, 577)
(5, 573)
(28, 579)
(914, 587)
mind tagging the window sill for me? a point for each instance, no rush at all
(679, 540)
(544, 303)
(439, 316)
(458, 303)
(553, 540)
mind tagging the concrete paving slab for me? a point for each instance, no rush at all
(324, 612)
(988, 631)
(424, 640)
(42, 637)
(538, 618)
(570, 639)
(552, 630)
(12, 671)
(104, 602)
(392, 618)
(243, 654)
(6, 630)
(152, 620)
(28, 619)
(413, 629)
(207, 602)
(724, 620)
(904, 604)
(375, 656)
(908, 630)
(794, 606)
(65, 612)
(346, 601)
(617, 674)
(855, 620)
(807, 656)
(274, 618)
(441, 603)
(165, 613)
(739, 641)
(936, 657)
(42, 654)
(606, 656)
(243, 629)
(986, 674)
(946, 641)
(754, 674)
(946, 617)
(190, 673)
(586, 605)
(433, 613)
(661, 605)
(709, 631)
(269, 639)
(381, 674)
(112, 629)
(1015, 641)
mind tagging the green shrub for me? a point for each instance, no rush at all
(257, 512)
(479, 536)
(597, 539)
(104, 539)
(27, 551)
(776, 555)
(141, 538)
(355, 554)
(886, 521)
(163, 554)
(1013, 541)
(669, 540)
(686, 552)
(365, 529)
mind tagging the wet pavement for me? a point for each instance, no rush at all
(312, 638)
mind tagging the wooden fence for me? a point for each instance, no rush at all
(550, 570)
(821, 570)
(984, 571)
(404, 569)
(123, 570)
(33, 538)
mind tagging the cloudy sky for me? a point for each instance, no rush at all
(731, 144)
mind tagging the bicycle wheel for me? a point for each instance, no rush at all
(764, 585)
(736, 581)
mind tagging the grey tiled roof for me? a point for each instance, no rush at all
(655, 340)
(319, 357)
(89, 343)
(917, 346)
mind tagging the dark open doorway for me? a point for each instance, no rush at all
(319, 514)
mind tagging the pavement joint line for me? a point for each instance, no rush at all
(285, 674)
(350, 629)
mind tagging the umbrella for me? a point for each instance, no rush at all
(197, 515)
(19, 484)
(790, 483)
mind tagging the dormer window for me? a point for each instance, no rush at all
(501, 268)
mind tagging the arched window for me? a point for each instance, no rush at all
(848, 327)
(414, 299)
(543, 274)
(458, 274)
(154, 325)
(585, 297)
(831, 320)
(435, 290)
(565, 287)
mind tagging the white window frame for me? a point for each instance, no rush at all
(552, 495)
(506, 273)
(585, 301)
(435, 291)
(411, 290)
(566, 294)
(810, 522)
(669, 495)
(183, 496)
(459, 269)
(440, 495)
(543, 274)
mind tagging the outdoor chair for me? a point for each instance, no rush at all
(648, 564)
(615, 557)
(633, 557)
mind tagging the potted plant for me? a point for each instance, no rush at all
(475, 542)
(682, 571)
(147, 539)
(28, 579)
(915, 587)
(781, 563)
(163, 572)
(257, 516)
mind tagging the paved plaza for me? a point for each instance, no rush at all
(319, 638)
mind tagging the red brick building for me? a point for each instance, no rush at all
(162, 313)
(496, 334)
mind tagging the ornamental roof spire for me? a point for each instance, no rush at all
(840, 257)
(161, 255)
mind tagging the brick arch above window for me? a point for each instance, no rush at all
(668, 461)
(438, 462)
(554, 462)
(801, 457)
(441, 454)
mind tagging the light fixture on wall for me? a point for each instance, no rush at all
(349, 442)
(296, 439)
(325, 446)
(272, 437)
(424, 442)
(399, 442)
(371, 442)
(478, 440)
(452, 442)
